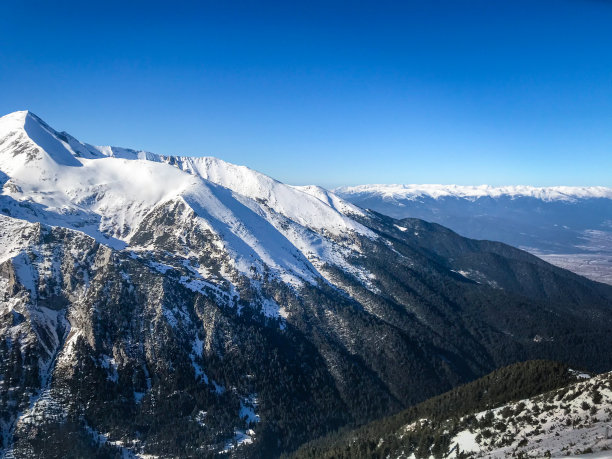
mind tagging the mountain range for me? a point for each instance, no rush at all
(171, 306)
(570, 227)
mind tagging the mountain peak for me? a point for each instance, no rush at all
(20, 117)
(36, 138)
(17, 114)
(115, 189)
(15, 120)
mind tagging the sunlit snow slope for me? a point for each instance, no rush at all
(109, 193)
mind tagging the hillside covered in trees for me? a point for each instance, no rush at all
(530, 409)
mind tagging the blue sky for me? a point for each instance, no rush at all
(332, 93)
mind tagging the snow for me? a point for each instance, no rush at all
(26, 275)
(199, 372)
(436, 191)
(271, 309)
(196, 351)
(257, 225)
(160, 267)
(43, 137)
(296, 203)
(543, 423)
(110, 365)
(240, 438)
(15, 235)
(198, 347)
(127, 452)
(476, 276)
(247, 413)
(331, 199)
(68, 350)
(579, 374)
(200, 418)
(107, 192)
(248, 406)
(466, 441)
(219, 389)
(248, 234)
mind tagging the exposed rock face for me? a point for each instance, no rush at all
(225, 311)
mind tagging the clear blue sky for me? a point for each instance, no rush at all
(332, 93)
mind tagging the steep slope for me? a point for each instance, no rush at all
(108, 198)
(573, 420)
(533, 409)
(567, 226)
(189, 307)
(312, 211)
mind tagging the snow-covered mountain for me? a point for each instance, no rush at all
(177, 306)
(107, 193)
(567, 226)
(436, 191)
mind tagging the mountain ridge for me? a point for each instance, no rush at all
(120, 192)
(567, 226)
(173, 307)
(546, 193)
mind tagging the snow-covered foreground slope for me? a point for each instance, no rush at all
(533, 409)
(567, 226)
(574, 420)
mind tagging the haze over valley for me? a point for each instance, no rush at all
(570, 227)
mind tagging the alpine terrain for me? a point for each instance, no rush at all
(570, 227)
(533, 409)
(162, 306)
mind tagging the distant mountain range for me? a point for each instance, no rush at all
(187, 307)
(567, 226)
